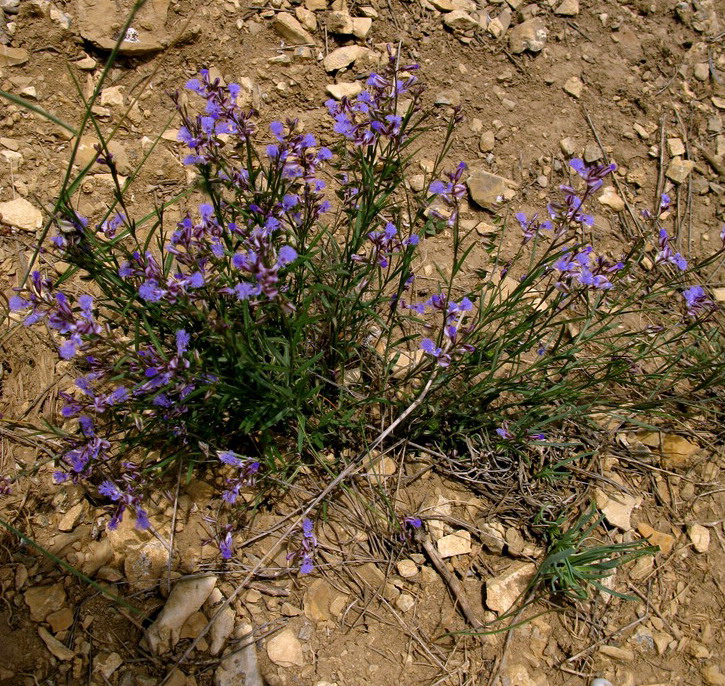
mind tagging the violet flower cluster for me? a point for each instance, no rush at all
(305, 554)
(453, 335)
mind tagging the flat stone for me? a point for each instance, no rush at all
(616, 653)
(42, 600)
(488, 190)
(503, 590)
(12, 57)
(318, 598)
(678, 170)
(529, 35)
(487, 141)
(574, 86)
(339, 23)
(611, 199)
(700, 537)
(676, 147)
(676, 450)
(457, 543)
(712, 675)
(343, 57)
(240, 667)
(361, 27)
(500, 24)
(291, 30)
(617, 508)
(344, 89)
(285, 649)
(405, 602)
(86, 64)
(112, 97)
(98, 22)
(568, 8)
(568, 146)
(60, 620)
(144, 566)
(450, 97)
(658, 538)
(458, 20)
(592, 153)
(193, 626)
(56, 648)
(407, 568)
(70, 519)
(107, 663)
(21, 214)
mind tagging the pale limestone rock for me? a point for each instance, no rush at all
(450, 97)
(611, 199)
(503, 590)
(405, 602)
(186, 597)
(487, 141)
(407, 568)
(700, 537)
(112, 97)
(107, 663)
(487, 190)
(291, 30)
(285, 649)
(679, 169)
(457, 543)
(339, 23)
(344, 89)
(529, 35)
(568, 146)
(144, 566)
(568, 8)
(676, 147)
(60, 620)
(665, 541)
(574, 86)
(12, 57)
(344, 57)
(56, 648)
(457, 20)
(21, 214)
(70, 519)
(42, 600)
(307, 18)
(361, 27)
(617, 508)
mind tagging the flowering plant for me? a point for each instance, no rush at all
(270, 322)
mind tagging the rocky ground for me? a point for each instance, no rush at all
(638, 83)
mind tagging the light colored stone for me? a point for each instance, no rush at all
(29, 92)
(339, 23)
(713, 676)
(407, 568)
(458, 20)
(239, 667)
(87, 152)
(344, 57)
(457, 543)
(592, 153)
(193, 626)
(60, 620)
(574, 86)
(719, 294)
(12, 57)
(144, 566)
(112, 97)
(285, 649)
(186, 597)
(487, 141)
(610, 198)
(70, 519)
(678, 170)
(700, 537)
(518, 675)
(617, 508)
(107, 663)
(701, 71)
(316, 5)
(568, 146)
(318, 599)
(450, 97)
(616, 653)
(98, 553)
(529, 35)
(361, 27)
(21, 214)
(86, 64)
(676, 451)
(503, 590)
(42, 600)
(658, 538)
(568, 8)
(56, 648)
(676, 147)
(307, 18)
(405, 602)
(291, 30)
(488, 190)
(344, 89)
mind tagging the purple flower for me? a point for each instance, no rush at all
(226, 546)
(593, 174)
(503, 431)
(110, 490)
(697, 300)
(287, 254)
(151, 291)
